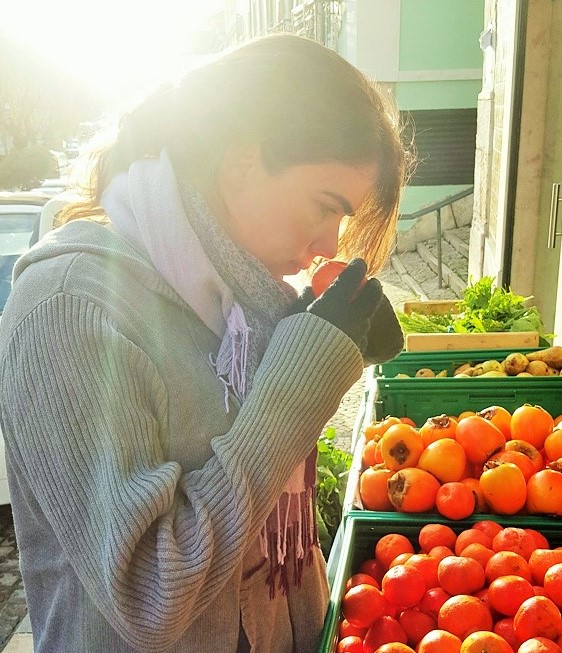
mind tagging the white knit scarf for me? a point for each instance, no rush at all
(238, 299)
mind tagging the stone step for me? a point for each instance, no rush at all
(448, 277)
(407, 278)
(454, 239)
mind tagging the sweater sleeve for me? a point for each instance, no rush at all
(85, 410)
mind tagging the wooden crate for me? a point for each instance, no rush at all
(432, 307)
(513, 340)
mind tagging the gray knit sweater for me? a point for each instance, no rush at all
(137, 498)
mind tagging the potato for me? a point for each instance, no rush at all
(462, 369)
(537, 368)
(515, 362)
(492, 365)
(425, 373)
(478, 370)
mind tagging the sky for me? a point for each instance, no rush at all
(110, 45)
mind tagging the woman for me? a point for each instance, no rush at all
(163, 388)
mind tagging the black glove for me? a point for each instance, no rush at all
(385, 339)
(302, 302)
(348, 307)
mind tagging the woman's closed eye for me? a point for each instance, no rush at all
(329, 211)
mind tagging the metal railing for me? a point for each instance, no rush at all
(437, 206)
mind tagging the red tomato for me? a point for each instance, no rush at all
(326, 273)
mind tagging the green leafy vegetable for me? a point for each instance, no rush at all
(483, 308)
(332, 469)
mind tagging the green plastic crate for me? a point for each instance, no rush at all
(408, 362)
(362, 530)
(420, 398)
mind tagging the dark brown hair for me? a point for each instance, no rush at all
(300, 101)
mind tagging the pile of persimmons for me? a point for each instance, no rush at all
(492, 461)
(485, 589)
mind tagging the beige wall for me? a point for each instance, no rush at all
(540, 161)
(534, 268)
(493, 145)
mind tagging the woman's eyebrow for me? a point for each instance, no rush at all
(342, 201)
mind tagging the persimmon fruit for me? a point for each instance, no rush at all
(376, 430)
(500, 417)
(326, 273)
(445, 459)
(373, 489)
(544, 493)
(531, 424)
(528, 449)
(438, 428)
(401, 446)
(413, 490)
(553, 445)
(479, 438)
(504, 488)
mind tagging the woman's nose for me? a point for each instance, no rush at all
(326, 245)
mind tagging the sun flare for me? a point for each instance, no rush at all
(108, 45)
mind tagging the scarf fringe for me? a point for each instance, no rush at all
(299, 536)
(232, 371)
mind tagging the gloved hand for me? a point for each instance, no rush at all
(385, 339)
(344, 305)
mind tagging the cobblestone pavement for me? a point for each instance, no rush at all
(12, 596)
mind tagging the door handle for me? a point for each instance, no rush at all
(554, 206)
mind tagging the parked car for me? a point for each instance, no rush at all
(20, 215)
(53, 186)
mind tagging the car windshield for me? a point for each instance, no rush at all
(16, 231)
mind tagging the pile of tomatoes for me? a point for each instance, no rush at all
(492, 461)
(487, 588)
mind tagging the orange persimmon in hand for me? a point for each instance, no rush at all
(326, 273)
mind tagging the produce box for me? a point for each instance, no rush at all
(409, 362)
(362, 530)
(432, 307)
(420, 398)
(455, 341)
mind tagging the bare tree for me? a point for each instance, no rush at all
(37, 103)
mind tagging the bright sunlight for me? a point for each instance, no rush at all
(113, 47)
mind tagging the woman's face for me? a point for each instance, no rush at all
(286, 219)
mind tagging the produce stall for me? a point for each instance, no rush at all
(465, 439)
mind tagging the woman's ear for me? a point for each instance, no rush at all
(240, 165)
